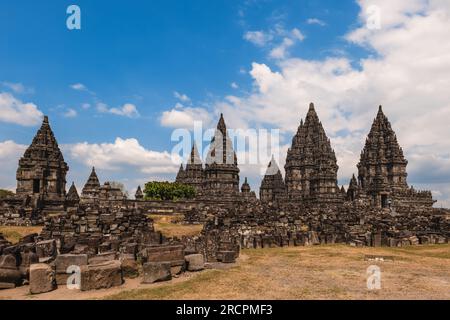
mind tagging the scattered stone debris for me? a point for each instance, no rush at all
(107, 237)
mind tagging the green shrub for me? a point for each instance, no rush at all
(155, 190)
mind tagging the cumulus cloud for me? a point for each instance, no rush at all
(407, 72)
(10, 152)
(123, 153)
(184, 117)
(13, 110)
(127, 110)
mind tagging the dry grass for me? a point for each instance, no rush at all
(320, 272)
(166, 224)
(13, 234)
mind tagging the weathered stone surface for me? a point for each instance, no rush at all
(130, 268)
(9, 273)
(102, 257)
(156, 271)
(226, 256)
(101, 276)
(46, 248)
(42, 278)
(63, 261)
(27, 259)
(168, 253)
(195, 262)
(5, 285)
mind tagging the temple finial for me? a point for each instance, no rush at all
(311, 106)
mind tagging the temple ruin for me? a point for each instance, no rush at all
(104, 232)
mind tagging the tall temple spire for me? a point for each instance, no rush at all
(382, 165)
(311, 165)
(42, 169)
(221, 170)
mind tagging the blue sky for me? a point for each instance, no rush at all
(166, 59)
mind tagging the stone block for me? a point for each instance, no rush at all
(46, 248)
(195, 262)
(63, 261)
(165, 253)
(42, 278)
(156, 271)
(101, 276)
(102, 257)
(129, 268)
(226, 256)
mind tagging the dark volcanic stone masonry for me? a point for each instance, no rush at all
(112, 234)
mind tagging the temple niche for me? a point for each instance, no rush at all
(42, 170)
(382, 171)
(311, 166)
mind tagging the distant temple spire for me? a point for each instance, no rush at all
(42, 169)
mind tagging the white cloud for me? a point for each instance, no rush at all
(70, 113)
(121, 154)
(278, 39)
(181, 97)
(10, 152)
(18, 87)
(315, 21)
(79, 87)
(15, 111)
(127, 110)
(258, 38)
(184, 117)
(234, 85)
(408, 75)
(82, 87)
(86, 106)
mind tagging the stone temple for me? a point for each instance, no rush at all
(220, 176)
(41, 175)
(311, 166)
(108, 234)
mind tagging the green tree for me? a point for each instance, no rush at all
(5, 193)
(155, 190)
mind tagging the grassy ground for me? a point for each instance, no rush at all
(319, 272)
(13, 234)
(166, 224)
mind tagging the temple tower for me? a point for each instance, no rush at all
(221, 170)
(311, 166)
(42, 169)
(193, 175)
(272, 186)
(139, 195)
(91, 189)
(382, 168)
